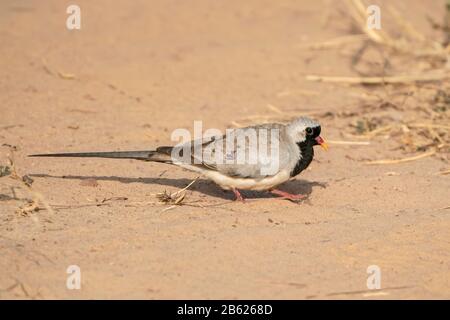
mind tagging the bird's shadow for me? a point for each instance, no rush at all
(201, 185)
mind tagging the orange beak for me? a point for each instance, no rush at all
(322, 143)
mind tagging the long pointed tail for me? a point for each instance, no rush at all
(149, 155)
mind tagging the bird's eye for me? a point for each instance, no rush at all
(309, 131)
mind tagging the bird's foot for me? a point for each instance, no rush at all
(238, 195)
(287, 195)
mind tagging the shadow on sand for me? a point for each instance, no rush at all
(201, 185)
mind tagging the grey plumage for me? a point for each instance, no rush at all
(137, 155)
(256, 157)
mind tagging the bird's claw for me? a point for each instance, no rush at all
(238, 195)
(288, 196)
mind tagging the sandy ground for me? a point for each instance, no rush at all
(145, 68)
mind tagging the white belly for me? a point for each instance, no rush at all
(267, 183)
(229, 183)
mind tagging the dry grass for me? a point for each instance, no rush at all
(37, 201)
(422, 127)
(422, 132)
(176, 198)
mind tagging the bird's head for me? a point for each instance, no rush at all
(306, 130)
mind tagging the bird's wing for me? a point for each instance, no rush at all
(190, 153)
(252, 152)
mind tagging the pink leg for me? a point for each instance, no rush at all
(289, 196)
(238, 195)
